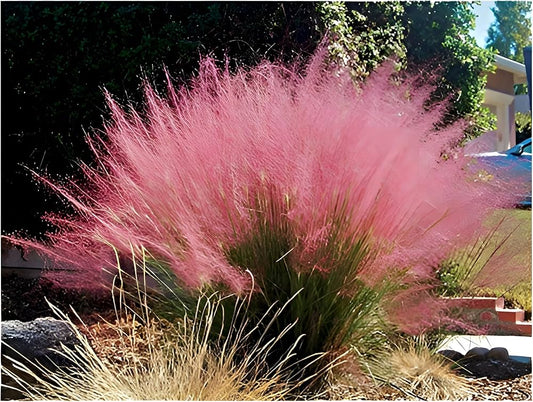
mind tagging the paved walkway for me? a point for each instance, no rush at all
(519, 347)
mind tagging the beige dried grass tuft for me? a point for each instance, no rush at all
(419, 373)
(159, 362)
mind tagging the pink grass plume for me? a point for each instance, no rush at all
(179, 177)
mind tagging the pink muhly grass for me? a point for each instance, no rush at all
(180, 178)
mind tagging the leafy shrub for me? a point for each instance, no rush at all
(523, 126)
(294, 185)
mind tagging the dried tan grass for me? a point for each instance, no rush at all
(419, 373)
(157, 361)
(348, 381)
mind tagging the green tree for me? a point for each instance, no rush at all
(511, 31)
(426, 38)
(438, 38)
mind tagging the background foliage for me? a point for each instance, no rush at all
(438, 37)
(511, 30)
(523, 126)
(363, 34)
(57, 57)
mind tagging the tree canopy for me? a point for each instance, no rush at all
(511, 30)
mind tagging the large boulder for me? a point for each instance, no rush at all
(451, 355)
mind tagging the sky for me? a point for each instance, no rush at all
(483, 20)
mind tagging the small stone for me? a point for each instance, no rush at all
(500, 354)
(477, 353)
(452, 355)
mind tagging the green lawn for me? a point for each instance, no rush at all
(509, 248)
(497, 264)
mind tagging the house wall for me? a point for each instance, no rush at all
(501, 81)
(502, 105)
(521, 103)
(500, 98)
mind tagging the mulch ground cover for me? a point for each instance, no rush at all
(516, 389)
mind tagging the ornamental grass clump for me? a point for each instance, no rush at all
(419, 373)
(286, 180)
(497, 259)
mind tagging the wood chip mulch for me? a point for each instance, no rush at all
(516, 389)
(483, 389)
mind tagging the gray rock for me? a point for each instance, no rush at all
(38, 340)
(477, 353)
(452, 355)
(500, 354)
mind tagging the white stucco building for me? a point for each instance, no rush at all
(500, 99)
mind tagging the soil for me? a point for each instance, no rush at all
(25, 299)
